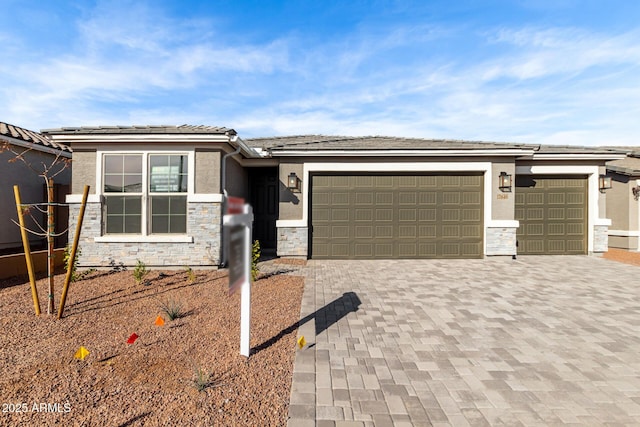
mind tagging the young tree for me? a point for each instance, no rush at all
(47, 170)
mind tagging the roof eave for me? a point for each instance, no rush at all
(65, 151)
(623, 171)
(578, 156)
(397, 153)
(142, 137)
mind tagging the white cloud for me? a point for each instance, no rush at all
(547, 52)
(135, 63)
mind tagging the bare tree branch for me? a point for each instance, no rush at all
(29, 230)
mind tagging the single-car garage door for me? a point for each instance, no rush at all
(553, 214)
(396, 216)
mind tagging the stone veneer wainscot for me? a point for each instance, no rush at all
(203, 225)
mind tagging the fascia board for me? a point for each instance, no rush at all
(578, 156)
(396, 153)
(143, 137)
(244, 148)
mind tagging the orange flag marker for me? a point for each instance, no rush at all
(81, 353)
(132, 338)
(159, 321)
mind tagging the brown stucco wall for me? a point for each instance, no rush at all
(84, 171)
(290, 206)
(207, 173)
(237, 179)
(31, 191)
(15, 265)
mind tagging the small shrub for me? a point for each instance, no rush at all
(75, 275)
(74, 266)
(202, 379)
(255, 257)
(191, 276)
(140, 272)
(173, 309)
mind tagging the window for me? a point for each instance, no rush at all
(123, 193)
(145, 193)
(167, 178)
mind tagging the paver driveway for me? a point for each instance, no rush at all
(534, 341)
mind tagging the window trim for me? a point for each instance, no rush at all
(145, 235)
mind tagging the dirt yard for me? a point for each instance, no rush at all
(621, 255)
(152, 381)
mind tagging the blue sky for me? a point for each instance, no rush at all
(531, 71)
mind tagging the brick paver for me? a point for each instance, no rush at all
(533, 341)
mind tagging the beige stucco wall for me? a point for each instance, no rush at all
(624, 242)
(502, 203)
(618, 202)
(291, 204)
(602, 200)
(207, 173)
(84, 171)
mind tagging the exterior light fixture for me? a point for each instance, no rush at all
(293, 183)
(504, 183)
(604, 182)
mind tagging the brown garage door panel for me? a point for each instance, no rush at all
(396, 216)
(552, 211)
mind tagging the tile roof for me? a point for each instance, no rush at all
(325, 142)
(30, 136)
(627, 166)
(148, 129)
(577, 149)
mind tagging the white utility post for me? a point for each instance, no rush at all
(239, 219)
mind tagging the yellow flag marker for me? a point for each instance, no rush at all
(81, 353)
(301, 342)
(159, 321)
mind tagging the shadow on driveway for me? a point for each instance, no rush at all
(324, 318)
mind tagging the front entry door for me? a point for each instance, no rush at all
(263, 190)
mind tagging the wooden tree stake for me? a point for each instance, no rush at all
(27, 251)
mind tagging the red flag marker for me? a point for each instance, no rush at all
(132, 338)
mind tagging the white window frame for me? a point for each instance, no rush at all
(145, 236)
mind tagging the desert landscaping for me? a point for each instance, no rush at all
(186, 372)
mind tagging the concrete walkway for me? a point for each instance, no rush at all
(534, 341)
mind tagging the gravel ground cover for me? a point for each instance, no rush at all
(156, 380)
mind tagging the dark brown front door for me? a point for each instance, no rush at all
(263, 196)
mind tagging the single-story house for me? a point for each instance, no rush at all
(38, 151)
(623, 201)
(157, 194)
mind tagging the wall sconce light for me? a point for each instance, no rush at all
(504, 183)
(293, 183)
(604, 183)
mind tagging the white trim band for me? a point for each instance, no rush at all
(129, 238)
(204, 198)
(624, 233)
(502, 223)
(77, 198)
(391, 153)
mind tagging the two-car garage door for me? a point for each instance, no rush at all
(396, 216)
(380, 216)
